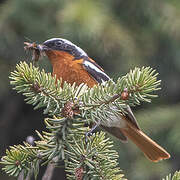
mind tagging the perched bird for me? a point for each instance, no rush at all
(72, 64)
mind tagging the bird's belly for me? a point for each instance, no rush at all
(114, 120)
(73, 74)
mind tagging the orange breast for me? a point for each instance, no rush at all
(70, 70)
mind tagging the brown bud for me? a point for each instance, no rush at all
(79, 173)
(67, 111)
(36, 88)
(125, 94)
(17, 162)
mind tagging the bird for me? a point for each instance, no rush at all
(73, 65)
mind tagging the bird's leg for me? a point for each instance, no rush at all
(89, 133)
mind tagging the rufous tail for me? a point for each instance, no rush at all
(151, 149)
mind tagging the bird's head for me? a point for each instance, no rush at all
(64, 45)
(58, 46)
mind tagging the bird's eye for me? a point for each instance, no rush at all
(58, 43)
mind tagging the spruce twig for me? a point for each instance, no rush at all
(70, 108)
(175, 176)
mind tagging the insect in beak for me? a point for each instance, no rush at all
(37, 50)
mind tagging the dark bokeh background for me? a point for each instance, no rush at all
(119, 35)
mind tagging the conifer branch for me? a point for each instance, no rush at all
(92, 159)
(69, 108)
(21, 159)
(43, 90)
(176, 176)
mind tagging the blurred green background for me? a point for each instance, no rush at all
(119, 35)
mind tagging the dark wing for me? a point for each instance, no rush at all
(98, 74)
(130, 116)
(95, 71)
(116, 132)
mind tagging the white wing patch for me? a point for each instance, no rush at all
(92, 66)
(95, 72)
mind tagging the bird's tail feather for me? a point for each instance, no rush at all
(151, 149)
